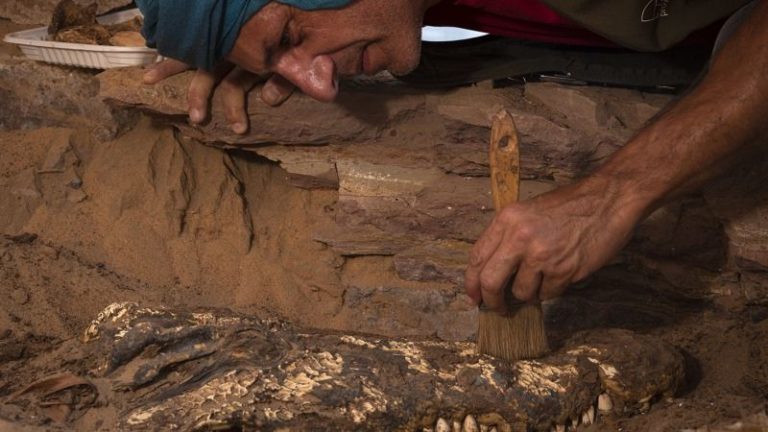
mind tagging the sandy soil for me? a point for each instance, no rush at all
(63, 257)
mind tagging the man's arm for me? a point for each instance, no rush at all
(561, 237)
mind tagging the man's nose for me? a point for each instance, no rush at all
(314, 75)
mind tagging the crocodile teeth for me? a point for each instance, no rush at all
(560, 428)
(442, 426)
(604, 403)
(589, 416)
(470, 425)
(484, 428)
(456, 426)
(575, 422)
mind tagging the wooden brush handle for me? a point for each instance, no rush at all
(504, 159)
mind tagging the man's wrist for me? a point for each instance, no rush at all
(623, 195)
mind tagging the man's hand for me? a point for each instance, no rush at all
(231, 83)
(563, 236)
(539, 247)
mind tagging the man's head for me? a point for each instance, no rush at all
(310, 49)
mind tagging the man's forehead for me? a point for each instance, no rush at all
(201, 33)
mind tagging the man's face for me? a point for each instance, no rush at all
(311, 49)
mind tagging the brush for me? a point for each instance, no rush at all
(520, 333)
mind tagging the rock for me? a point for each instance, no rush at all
(365, 240)
(440, 261)
(595, 110)
(574, 104)
(11, 348)
(20, 196)
(754, 287)
(26, 150)
(684, 230)
(39, 95)
(307, 167)
(474, 106)
(39, 11)
(740, 200)
(359, 178)
(57, 154)
(76, 196)
(301, 120)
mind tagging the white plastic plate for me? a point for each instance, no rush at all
(34, 45)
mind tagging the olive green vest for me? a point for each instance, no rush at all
(645, 25)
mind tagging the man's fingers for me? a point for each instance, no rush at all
(160, 71)
(527, 284)
(496, 274)
(201, 90)
(276, 90)
(484, 248)
(553, 286)
(234, 91)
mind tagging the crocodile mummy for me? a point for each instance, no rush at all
(165, 369)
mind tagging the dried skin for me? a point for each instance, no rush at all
(211, 369)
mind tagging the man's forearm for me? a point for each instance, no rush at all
(693, 139)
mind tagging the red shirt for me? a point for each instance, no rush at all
(526, 20)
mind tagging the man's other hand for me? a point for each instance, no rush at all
(537, 248)
(231, 83)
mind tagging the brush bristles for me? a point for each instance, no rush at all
(516, 336)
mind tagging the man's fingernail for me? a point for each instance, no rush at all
(270, 95)
(239, 128)
(196, 115)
